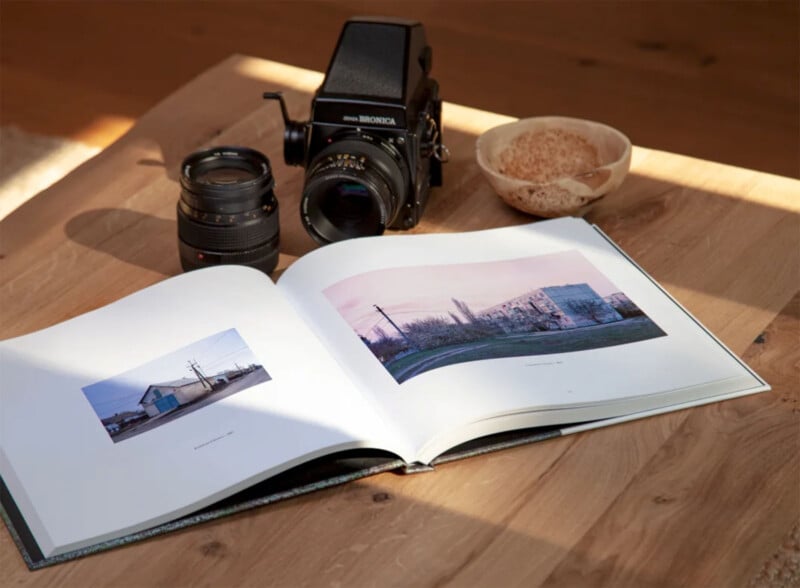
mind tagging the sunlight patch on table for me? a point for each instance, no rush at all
(29, 163)
(280, 73)
(707, 176)
(457, 117)
(471, 120)
(103, 130)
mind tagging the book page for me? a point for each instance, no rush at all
(463, 335)
(167, 401)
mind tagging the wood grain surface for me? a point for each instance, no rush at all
(699, 497)
(716, 80)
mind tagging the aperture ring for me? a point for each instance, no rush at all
(223, 219)
(245, 233)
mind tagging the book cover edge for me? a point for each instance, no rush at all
(36, 563)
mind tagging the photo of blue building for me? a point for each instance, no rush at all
(553, 307)
(150, 395)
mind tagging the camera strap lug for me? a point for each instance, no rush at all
(440, 152)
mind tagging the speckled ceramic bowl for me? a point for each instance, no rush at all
(568, 194)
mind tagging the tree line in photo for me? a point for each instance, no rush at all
(552, 308)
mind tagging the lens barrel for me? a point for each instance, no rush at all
(227, 212)
(354, 188)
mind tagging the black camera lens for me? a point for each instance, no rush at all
(353, 189)
(227, 212)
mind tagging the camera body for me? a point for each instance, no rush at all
(373, 147)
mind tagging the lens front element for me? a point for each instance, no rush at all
(350, 207)
(352, 189)
(224, 175)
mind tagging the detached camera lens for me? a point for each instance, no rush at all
(227, 212)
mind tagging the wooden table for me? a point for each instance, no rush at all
(702, 497)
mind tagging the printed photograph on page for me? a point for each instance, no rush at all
(416, 319)
(174, 385)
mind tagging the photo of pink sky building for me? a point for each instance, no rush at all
(412, 293)
(417, 319)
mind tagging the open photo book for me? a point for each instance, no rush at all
(219, 390)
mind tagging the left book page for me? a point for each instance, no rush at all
(164, 402)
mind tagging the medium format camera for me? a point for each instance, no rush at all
(373, 147)
(227, 212)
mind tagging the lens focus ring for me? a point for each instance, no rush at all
(244, 234)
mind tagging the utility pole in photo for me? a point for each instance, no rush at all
(398, 329)
(200, 375)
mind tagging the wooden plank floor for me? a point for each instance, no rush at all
(713, 80)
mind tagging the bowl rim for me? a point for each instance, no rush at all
(484, 164)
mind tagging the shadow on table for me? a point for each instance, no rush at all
(130, 236)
